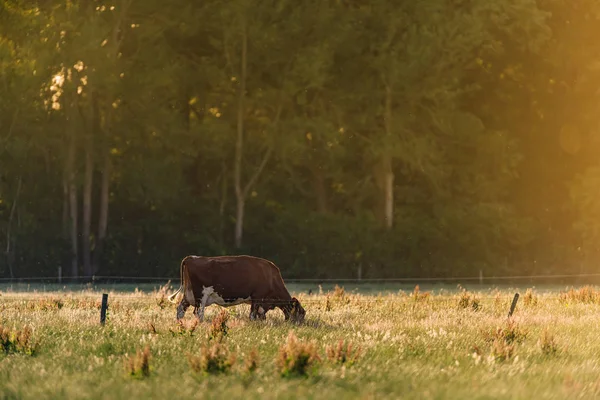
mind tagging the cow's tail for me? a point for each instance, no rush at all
(181, 284)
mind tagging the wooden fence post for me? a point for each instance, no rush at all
(513, 305)
(103, 308)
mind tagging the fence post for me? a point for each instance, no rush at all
(359, 271)
(480, 277)
(513, 305)
(59, 274)
(103, 308)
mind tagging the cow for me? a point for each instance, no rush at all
(233, 280)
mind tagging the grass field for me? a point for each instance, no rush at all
(445, 344)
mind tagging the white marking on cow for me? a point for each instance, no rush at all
(213, 297)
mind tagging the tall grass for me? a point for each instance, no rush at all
(418, 344)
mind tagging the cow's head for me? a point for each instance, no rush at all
(297, 313)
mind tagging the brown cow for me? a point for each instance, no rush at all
(232, 280)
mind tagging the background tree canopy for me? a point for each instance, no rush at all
(410, 139)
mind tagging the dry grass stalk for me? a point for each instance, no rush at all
(218, 328)
(339, 292)
(501, 350)
(417, 295)
(152, 328)
(216, 359)
(17, 341)
(586, 294)
(251, 362)
(138, 365)
(530, 298)
(296, 358)
(510, 333)
(162, 294)
(343, 353)
(184, 328)
(468, 300)
(547, 344)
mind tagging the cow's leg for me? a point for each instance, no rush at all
(253, 308)
(261, 312)
(199, 311)
(286, 309)
(257, 311)
(182, 308)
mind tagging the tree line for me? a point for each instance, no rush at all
(336, 138)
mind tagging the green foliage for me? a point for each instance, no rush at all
(481, 120)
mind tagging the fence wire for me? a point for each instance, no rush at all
(306, 299)
(136, 279)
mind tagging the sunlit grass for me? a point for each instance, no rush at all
(414, 344)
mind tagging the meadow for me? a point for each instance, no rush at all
(353, 344)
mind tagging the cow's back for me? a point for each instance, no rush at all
(235, 277)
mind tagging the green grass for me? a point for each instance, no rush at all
(424, 347)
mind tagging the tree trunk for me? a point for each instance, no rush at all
(222, 206)
(241, 193)
(73, 206)
(103, 218)
(388, 192)
(87, 208)
(10, 248)
(239, 221)
(65, 207)
(385, 177)
(239, 144)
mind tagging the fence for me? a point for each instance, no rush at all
(542, 278)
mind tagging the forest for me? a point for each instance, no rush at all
(337, 138)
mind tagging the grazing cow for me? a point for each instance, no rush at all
(232, 280)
